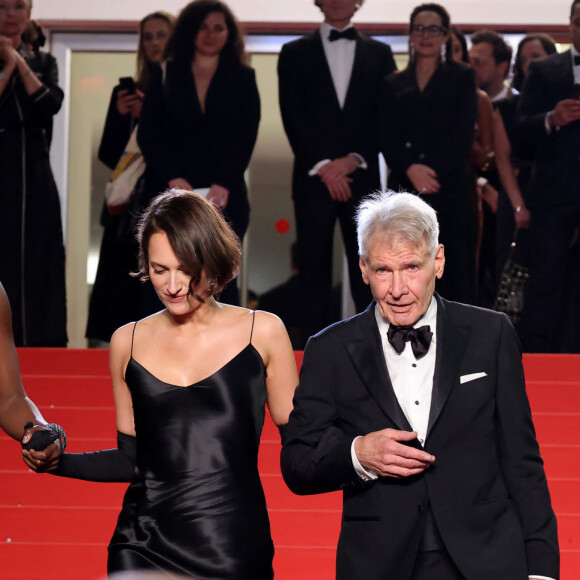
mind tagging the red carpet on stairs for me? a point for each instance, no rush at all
(58, 529)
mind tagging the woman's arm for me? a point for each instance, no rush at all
(111, 464)
(507, 173)
(273, 344)
(116, 132)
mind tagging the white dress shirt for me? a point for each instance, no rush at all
(575, 68)
(340, 58)
(412, 381)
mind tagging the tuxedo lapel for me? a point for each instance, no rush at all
(452, 341)
(356, 83)
(320, 67)
(366, 353)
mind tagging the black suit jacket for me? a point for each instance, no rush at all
(555, 176)
(316, 126)
(215, 146)
(434, 127)
(487, 487)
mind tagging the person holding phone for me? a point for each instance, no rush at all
(118, 297)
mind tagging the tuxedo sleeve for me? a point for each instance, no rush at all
(316, 454)
(521, 462)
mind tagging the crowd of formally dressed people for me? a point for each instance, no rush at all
(452, 127)
(416, 407)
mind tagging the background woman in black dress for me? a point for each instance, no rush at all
(190, 384)
(32, 262)
(428, 116)
(117, 297)
(200, 117)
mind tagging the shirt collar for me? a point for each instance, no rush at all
(430, 318)
(504, 93)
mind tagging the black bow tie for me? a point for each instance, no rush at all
(576, 58)
(420, 339)
(349, 34)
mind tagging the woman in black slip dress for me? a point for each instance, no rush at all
(190, 383)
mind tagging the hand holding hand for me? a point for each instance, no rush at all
(180, 183)
(566, 112)
(218, 195)
(339, 189)
(46, 459)
(339, 168)
(423, 178)
(382, 453)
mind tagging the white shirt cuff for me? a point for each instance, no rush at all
(360, 159)
(540, 578)
(314, 171)
(360, 470)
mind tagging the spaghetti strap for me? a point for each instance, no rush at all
(132, 338)
(253, 320)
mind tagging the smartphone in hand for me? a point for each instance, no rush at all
(127, 84)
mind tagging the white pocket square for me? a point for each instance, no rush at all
(471, 377)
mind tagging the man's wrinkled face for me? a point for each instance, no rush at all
(401, 276)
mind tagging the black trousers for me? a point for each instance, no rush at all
(316, 215)
(435, 565)
(551, 233)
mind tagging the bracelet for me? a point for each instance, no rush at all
(518, 208)
(56, 428)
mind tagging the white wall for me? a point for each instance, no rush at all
(396, 11)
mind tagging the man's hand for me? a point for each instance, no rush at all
(338, 168)
(382, 453)
(40, 461)
(565, 112)
(339, 189)
(423, 178)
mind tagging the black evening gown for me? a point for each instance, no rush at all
(198, 507)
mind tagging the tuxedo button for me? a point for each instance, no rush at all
(421, 155)
(408, 145)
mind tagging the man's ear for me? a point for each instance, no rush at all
(439, 260)
(363, 269)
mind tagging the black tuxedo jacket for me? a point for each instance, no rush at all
(316, 126)
(487, 487)
(556, 173)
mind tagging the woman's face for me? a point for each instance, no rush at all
(171, 279)
(428, 34)
(156, 32)
(212, 35)
(530, 51)
(456, 49)
(14, 17)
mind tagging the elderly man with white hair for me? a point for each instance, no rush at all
(417, 410)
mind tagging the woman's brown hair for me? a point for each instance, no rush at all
(198, 234)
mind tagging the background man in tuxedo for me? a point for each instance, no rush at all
(549, 115)
(432, 442)
(329, 84)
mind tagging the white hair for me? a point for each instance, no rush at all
(392, 213)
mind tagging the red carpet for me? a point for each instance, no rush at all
(53, 528)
